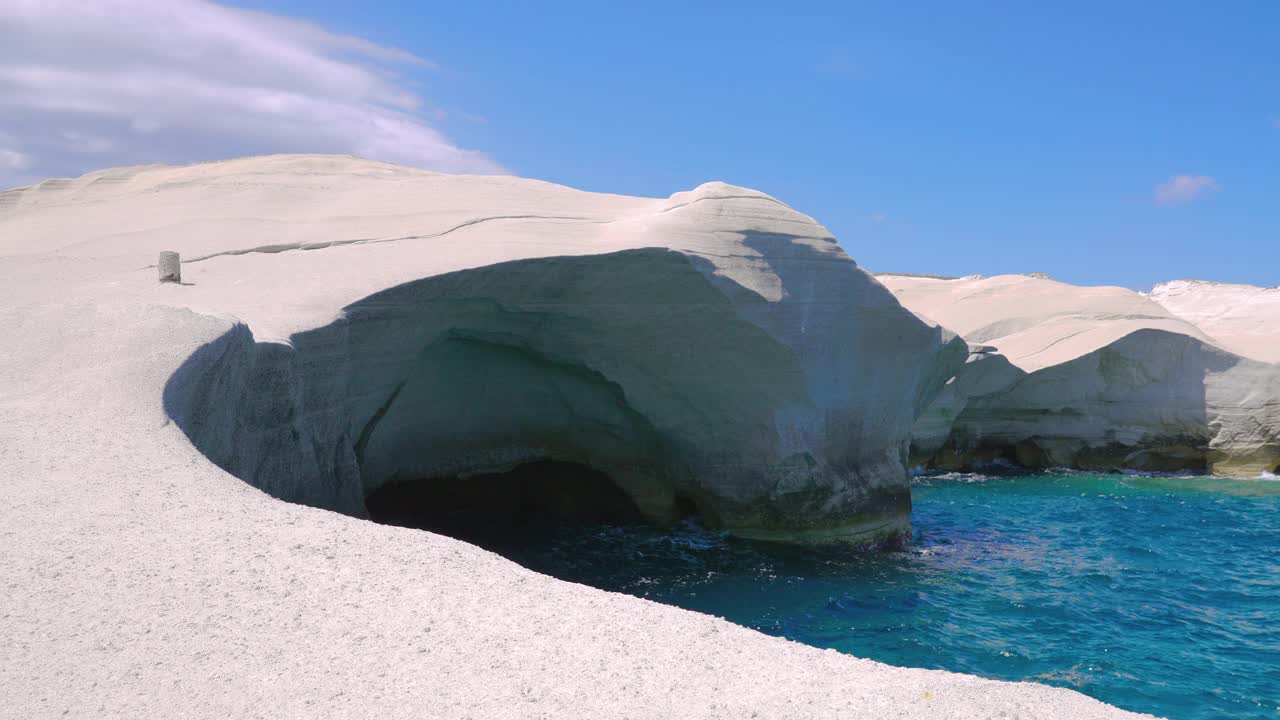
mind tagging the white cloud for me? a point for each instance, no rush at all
(92, 83)
(82, 142)
(878, 217)
(13, 160)
(1182, 189)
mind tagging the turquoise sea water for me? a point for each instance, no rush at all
(1160, 595)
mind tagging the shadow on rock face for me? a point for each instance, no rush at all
(1152, 401)
(488, 508)
(636, 366)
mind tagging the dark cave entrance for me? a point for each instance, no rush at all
(492, 509)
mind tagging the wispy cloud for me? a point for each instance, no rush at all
(13, 160)
(92, 83)
(878, 217)
(1182, 189)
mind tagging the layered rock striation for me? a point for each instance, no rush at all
(1096, 378)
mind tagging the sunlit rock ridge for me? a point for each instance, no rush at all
(1183, 378)
(1244, 319)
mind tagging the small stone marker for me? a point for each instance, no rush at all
(170, 267)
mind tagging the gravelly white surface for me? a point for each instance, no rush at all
(141, 581)
(1245, 319)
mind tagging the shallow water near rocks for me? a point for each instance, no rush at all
(1155, 594)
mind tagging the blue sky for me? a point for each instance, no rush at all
(929, 137)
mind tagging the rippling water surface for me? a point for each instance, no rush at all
(1160, 595)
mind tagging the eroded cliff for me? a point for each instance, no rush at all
(1098, 378)
(715, 351)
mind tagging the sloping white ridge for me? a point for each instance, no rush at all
(1244, 319)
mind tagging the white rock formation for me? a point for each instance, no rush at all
(1090, 377)
(1244, 319)
(715, 348)
(143, 581)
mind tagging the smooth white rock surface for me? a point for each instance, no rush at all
(1097, 378)
(1244, 319)
(144, 581)
(736, 356)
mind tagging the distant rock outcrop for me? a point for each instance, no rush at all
(1098, 378)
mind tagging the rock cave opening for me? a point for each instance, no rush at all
(491, 509)
(676, 393)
